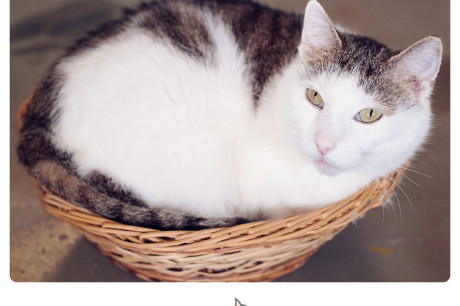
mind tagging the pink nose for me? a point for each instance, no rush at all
(324, 144)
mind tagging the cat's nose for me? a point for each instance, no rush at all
(324, 144)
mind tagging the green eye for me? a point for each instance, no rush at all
(315, 98)
(368, 115)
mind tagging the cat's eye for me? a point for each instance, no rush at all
(368, 115)
(315, 98)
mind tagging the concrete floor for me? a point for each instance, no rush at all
(46, 249)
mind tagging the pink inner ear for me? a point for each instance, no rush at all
(422, 60)
(318, 32)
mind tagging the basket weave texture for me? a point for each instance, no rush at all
(256, 251)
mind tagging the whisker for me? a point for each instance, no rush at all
(380, 194)
(410, 202)
(426, 150)
(393, 209)
(412, 170)
(397, 199)
(379, 187)
(407, 178)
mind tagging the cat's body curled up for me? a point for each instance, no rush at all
(225, 109)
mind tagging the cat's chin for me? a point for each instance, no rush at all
(326, 168)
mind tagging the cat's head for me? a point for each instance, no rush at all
(357, 104)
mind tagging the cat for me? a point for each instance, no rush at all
(189, 114)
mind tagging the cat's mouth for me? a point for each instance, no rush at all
(326, 167)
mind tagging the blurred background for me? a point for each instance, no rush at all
(407, 240)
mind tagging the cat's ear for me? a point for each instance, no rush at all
(419, 64)
(318, 34)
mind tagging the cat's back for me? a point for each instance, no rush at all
(169, 66)
(168, 42)
(202, 32)
(162, 97)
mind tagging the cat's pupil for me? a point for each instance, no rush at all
(316, 93)
(371, 112)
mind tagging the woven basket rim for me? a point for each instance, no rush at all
(332, 216)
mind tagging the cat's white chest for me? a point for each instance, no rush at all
(277, 182)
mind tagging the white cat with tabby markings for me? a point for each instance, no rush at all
(196, 121)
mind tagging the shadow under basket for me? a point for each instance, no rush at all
(256, 251)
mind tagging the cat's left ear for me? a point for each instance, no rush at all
(419, 64)
(318, 33)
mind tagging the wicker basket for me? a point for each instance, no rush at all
(257, 251)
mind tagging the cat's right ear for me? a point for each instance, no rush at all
(419, 64)
(421, 60)
(318, 33)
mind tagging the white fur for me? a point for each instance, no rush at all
(182, 134)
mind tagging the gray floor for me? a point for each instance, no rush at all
(391, 244)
